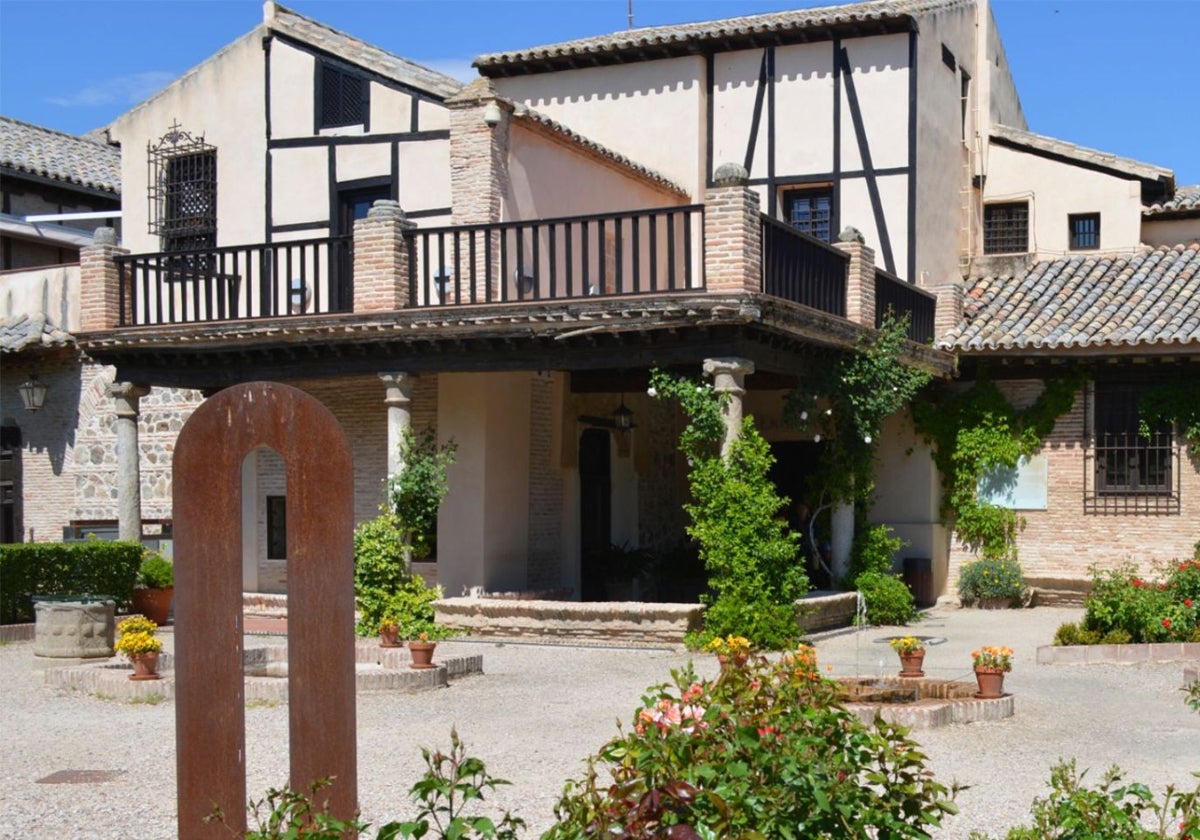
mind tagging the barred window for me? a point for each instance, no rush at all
(342, 97)
(810, 211)
(1084, 231)
(1130, 472)
(1006, 228)
(183, 191)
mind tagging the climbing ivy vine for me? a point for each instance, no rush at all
(976, 431)
(1176, 402)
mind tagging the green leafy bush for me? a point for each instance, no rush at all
(991, 577)
(383, 585)
(750, 554)
(764, 751)
(415, 494)
(156, 571)
(94, 567)
(873, 550)
(1110, 810)
(1146, 610)
(888, 600)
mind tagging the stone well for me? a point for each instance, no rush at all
(82, 629)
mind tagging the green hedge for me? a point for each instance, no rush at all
(56, 569)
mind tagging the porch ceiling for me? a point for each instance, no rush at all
(587, 334)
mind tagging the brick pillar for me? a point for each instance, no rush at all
(480, 129)
(381, 259)
(732, 233)
(729, 377)
(99, 283)
(951, 300)
(860, 278)
(127, 397)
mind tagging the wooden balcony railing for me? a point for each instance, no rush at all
(802, 269)
(644, 252)
(905, 299)
(276, 280)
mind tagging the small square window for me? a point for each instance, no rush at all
(810, 211)
(276, 527)
(1084, 230)
(1006, 228)
(342, 97)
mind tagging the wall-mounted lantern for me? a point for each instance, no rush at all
(33, 393)
(623, 417)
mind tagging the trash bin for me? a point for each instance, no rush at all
(918, 577)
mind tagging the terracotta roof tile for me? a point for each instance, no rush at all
(62, 157)
(1185, 200)
(1040, 142)
(24, 331)
(1098, 300)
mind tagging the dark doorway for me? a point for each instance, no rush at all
(353, 202)
(795, 466)
(595, 510)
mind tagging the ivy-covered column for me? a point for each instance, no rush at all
(729, 377)
(841, 537)
(127, 396)
(399, 402)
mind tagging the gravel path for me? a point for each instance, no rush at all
(540, 710)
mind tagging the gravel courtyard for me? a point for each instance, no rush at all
(538, 711)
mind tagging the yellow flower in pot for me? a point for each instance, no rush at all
(912, 655)
(139, 644)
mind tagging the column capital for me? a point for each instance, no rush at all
(399, 387)
(728, 373)
(127, 395)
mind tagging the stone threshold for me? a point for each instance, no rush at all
(376, 669)
(1089, 654)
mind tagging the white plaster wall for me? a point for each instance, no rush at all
(425, 174)
(363, 160)
(292, 88)
(857, 212)
(223, 100)
(391, 110)
(651, 111)
(1170, 231)
(1057, 189)
(803, 110)
(879, 67)
(735, 88)
(49, 290)
(299, 187)
(1004, 103)
(432, 117)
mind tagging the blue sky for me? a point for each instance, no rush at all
(1117, 75)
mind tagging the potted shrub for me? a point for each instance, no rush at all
(912, 655)
(155, 587)
(992, 582)
(139, 644)
(422, 641)
(991, 664)
(389, 631)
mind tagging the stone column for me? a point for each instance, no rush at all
(860, 277)
(399, 402)
(729, 377)
(732, 233)
(127, 396)
(381, 259)
(100, 283)
(841, 528)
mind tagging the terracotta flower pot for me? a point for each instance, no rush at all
(145, 666)
(991, 683)
(389, 637)
(155, 604)
(422, 654)
(910, 663)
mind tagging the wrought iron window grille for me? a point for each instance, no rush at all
(1126, 472)
(182, 194)
(1084, 231)
(1006, 228)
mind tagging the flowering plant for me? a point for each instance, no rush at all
(999, 658)
(137, 636)
(906, 644)
(732, 646)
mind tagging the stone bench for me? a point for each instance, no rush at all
(623, 622)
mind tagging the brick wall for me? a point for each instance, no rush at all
(860, 283)
(272, 481)
(545, 487)
(381, 259)
(1061, 542)
(99, 302)
(732, 240)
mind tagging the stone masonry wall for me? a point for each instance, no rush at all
(1061, 542)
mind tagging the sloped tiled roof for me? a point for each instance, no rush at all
(359, 52)
(62, 157)
(24, 331)
(1052, 145)
(1151, 297)
(677, 39)
(1185, 200)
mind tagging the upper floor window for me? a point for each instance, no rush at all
(183, 191)
(342, 97)
(810, 211)
(1084, 231)
(1131, 472)
(1006, 228)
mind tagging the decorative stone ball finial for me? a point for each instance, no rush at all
(385, 208)
(731, 175)
(104, 236)
(851, 234)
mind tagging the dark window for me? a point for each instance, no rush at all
(183, 191)
(1133, 472)
(1085, 231)
(276, 527)
(810, 211)
(342, 97)
(11, 530)
(1006, 228)
(948, 58)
